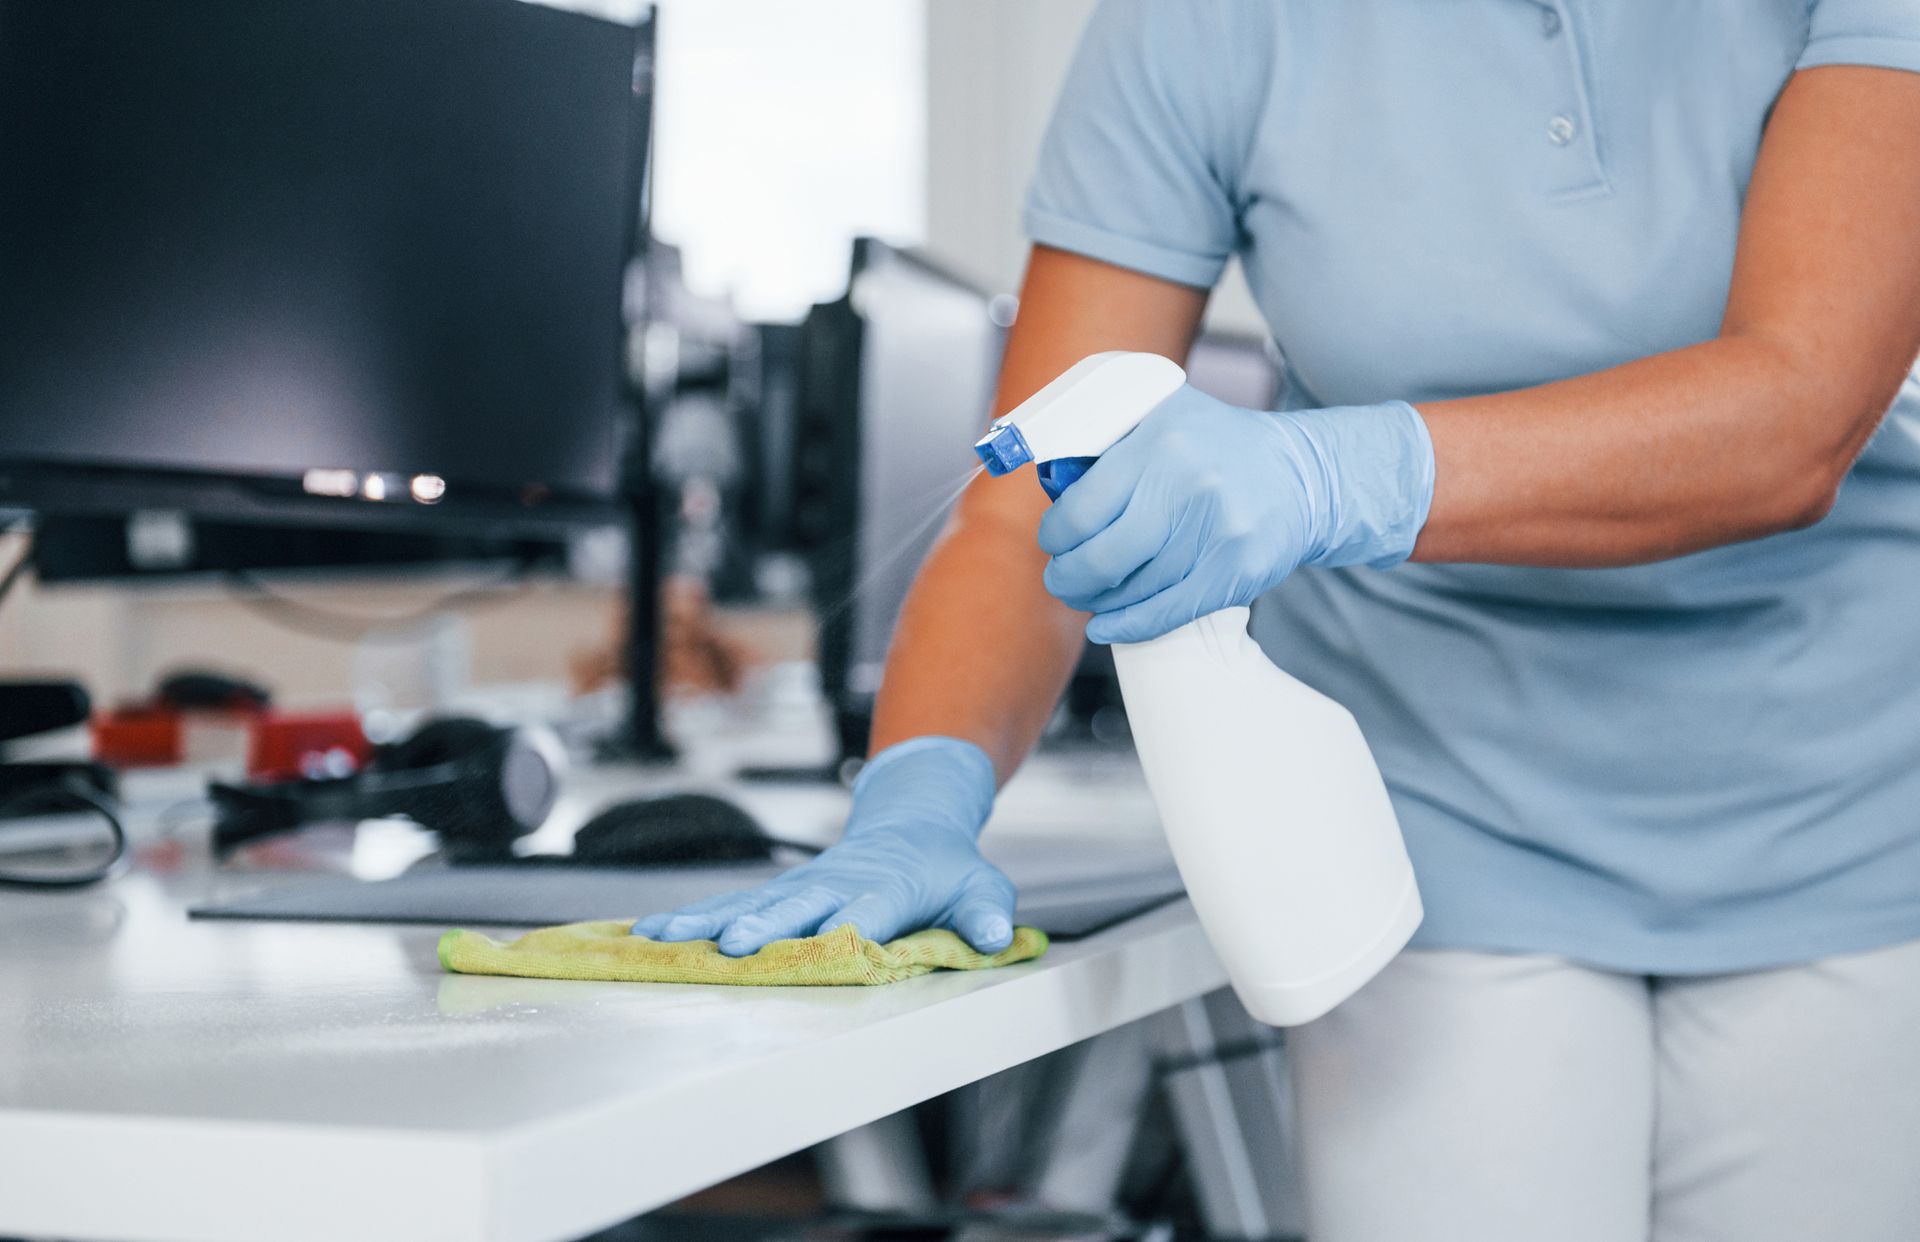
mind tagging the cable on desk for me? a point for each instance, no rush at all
(49, 798)
(347, 627)
(18, 569)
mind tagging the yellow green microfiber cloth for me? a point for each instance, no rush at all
(606, 950)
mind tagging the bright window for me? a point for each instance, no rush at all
(782, 130)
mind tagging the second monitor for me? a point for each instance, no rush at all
(896, 381)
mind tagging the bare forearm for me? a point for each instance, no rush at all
(981, 651)
(1723, 441)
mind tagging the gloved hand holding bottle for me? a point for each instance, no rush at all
(1206, 506)
(908, 860)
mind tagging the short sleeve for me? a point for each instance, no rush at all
(1885, 33)
(1141, 162)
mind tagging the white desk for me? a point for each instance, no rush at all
(163, 1079)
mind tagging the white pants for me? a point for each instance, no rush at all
(1478, 1097)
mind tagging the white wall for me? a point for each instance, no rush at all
(993, 70)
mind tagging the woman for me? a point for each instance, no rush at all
(1648, 692)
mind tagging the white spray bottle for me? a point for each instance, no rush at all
(1271, 801)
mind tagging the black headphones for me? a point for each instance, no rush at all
(478, 785)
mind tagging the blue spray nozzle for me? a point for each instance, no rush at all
(1058, 475)
(1003, 449)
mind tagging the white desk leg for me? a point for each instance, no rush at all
(1084, 1155)
(1232, 1102)
(881, 1167)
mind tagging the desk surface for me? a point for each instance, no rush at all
(164, 1079)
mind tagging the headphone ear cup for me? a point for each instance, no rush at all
(531, 765)
(449, 739)
(474, 783)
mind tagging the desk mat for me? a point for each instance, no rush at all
(1069, 887)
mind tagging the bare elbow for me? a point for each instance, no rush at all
(1815, 453)
(1817, 413)
(1812, 505)
(1819, 468)
(1808, 494)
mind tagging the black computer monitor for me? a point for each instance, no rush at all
(113, 548)
(766, 375)
(896, 383)
(323, 261)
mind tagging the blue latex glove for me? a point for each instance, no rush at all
(907, 860)
(1206, 506)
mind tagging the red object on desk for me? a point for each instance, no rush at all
(286, 746)
(137, 737)
(281, 746)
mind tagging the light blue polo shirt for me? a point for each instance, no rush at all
(1711, 763)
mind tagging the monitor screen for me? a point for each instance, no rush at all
(307, 243)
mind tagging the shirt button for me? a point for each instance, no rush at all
(1549, 23)
(1560, 130)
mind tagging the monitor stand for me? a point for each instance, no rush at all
(639, 738)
